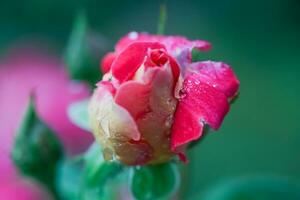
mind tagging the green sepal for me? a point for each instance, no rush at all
(36, 150)
(99, 176)
(97, 170)
(78, 114)
(154, 181)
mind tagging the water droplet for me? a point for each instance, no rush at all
(107, 154)
(182, 93)
(197, 82)
(169, 121)
(133, 35)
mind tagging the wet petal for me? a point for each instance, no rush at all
(178, 46)
(131, 58)
(152, 105)
(187, 127)
(217, 74)
(109, 120)
(200, 103)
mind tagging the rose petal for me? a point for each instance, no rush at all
(217, 74)
(171, 42)
(200, 103)
(186, 127)
(107, 61)
(133, 152)
(131, 58)
(152, 105)
(134, 96)
(114, 120)
(178, 46)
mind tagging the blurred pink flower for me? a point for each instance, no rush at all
(25, 69)
(22, 190)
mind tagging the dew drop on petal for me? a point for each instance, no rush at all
(107, 154)
(133, 35)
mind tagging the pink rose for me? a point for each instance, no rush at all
(153, 100)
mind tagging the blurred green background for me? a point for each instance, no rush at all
(259, 39)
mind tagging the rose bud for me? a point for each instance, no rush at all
(153, 100)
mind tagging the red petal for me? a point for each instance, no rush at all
(107, 61)
(152, 105)
(134, 97)
(171, 42)
(186, 127)
(131, 58)
(199, 103)
(159, 57)
(217, 74)
(108, 86)
(178, 46)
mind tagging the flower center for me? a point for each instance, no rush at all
(159, 57)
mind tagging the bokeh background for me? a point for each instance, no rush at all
(260, 137)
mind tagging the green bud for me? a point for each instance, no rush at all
(79, 58)
(36, 149)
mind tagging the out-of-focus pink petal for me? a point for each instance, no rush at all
(52, 103)
(131, 58)
(107, 61)
(27, 70)
(202, 102)
(22, 190)
(218, 75)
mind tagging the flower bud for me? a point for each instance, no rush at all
(36, 150)
(153, 100)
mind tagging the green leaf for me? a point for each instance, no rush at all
(78, 114)
(154, 181)
(80, 62)
(36, 150)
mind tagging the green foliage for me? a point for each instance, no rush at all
(78, 114)
(254, 188)
(81, 63)
(162, 19)
(68, 181)
(99, 176)
(98, 171)
(154, 181)
(36, 149)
